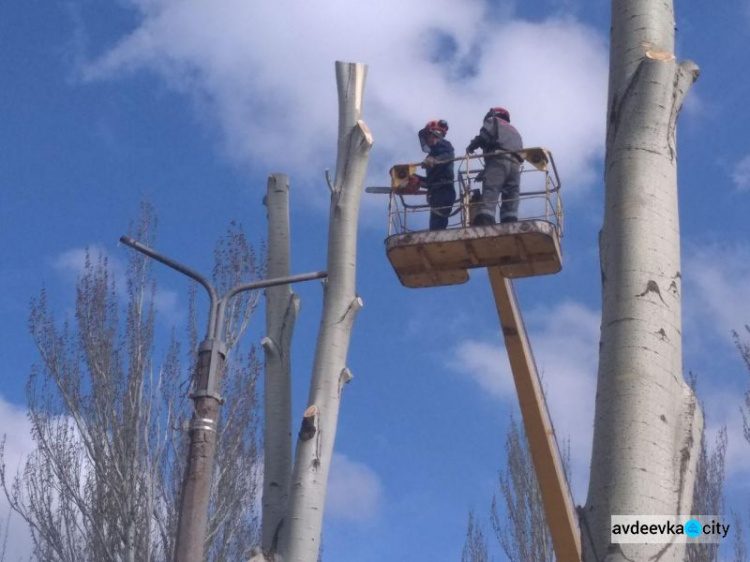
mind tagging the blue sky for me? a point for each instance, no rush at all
(193, 104)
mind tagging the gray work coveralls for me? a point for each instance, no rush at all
(502, 174)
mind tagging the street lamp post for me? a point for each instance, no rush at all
(212, 351)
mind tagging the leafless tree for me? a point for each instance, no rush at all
(744, 349)
(4, 527)
(475, 547)
(708, 494)
(103, 481)
(522, 530)
(740, 547)
(743, 346)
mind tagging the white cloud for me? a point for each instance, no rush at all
(18, 444)
(716, 302)
(486, 363)
(264, 72)
(565, 344)
(354, 490)
(717, 289)
(741, 174)
(71, 264)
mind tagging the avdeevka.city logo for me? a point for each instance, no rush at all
(660, 529)
(693, 528)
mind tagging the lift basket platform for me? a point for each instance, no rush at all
(443, 257)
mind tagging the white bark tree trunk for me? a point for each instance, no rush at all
(282, 307)
(648, 423)
(340, 306)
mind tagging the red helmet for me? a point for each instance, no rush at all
(500, 112)
(437, 127)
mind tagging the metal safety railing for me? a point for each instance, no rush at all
(539, 197)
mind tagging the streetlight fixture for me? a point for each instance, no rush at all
(212, 351)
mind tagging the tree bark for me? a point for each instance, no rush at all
(340, 306)
(282, 306)
(648, 423)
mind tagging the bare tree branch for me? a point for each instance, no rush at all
(475, 547)
(522, 531)
(103, 482)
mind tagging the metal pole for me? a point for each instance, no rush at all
(287, 280)
(196, 482)
(212, 353)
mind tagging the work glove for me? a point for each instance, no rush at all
(428, 162)
(471, 148)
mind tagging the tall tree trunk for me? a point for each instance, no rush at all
(282, 306)
(340, 306)
(648, 423)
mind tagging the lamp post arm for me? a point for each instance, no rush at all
(150, 252)
(243, 287)
(275, 281)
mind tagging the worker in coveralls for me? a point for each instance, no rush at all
(502, 173)
(441, 194)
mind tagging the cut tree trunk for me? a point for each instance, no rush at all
(647, 423)
(340, 306)
(282, 307)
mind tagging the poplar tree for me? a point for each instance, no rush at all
(108, 419)
(314, 452)
(648, 422)
(282, 307)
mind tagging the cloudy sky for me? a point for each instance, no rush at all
(192, 104)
